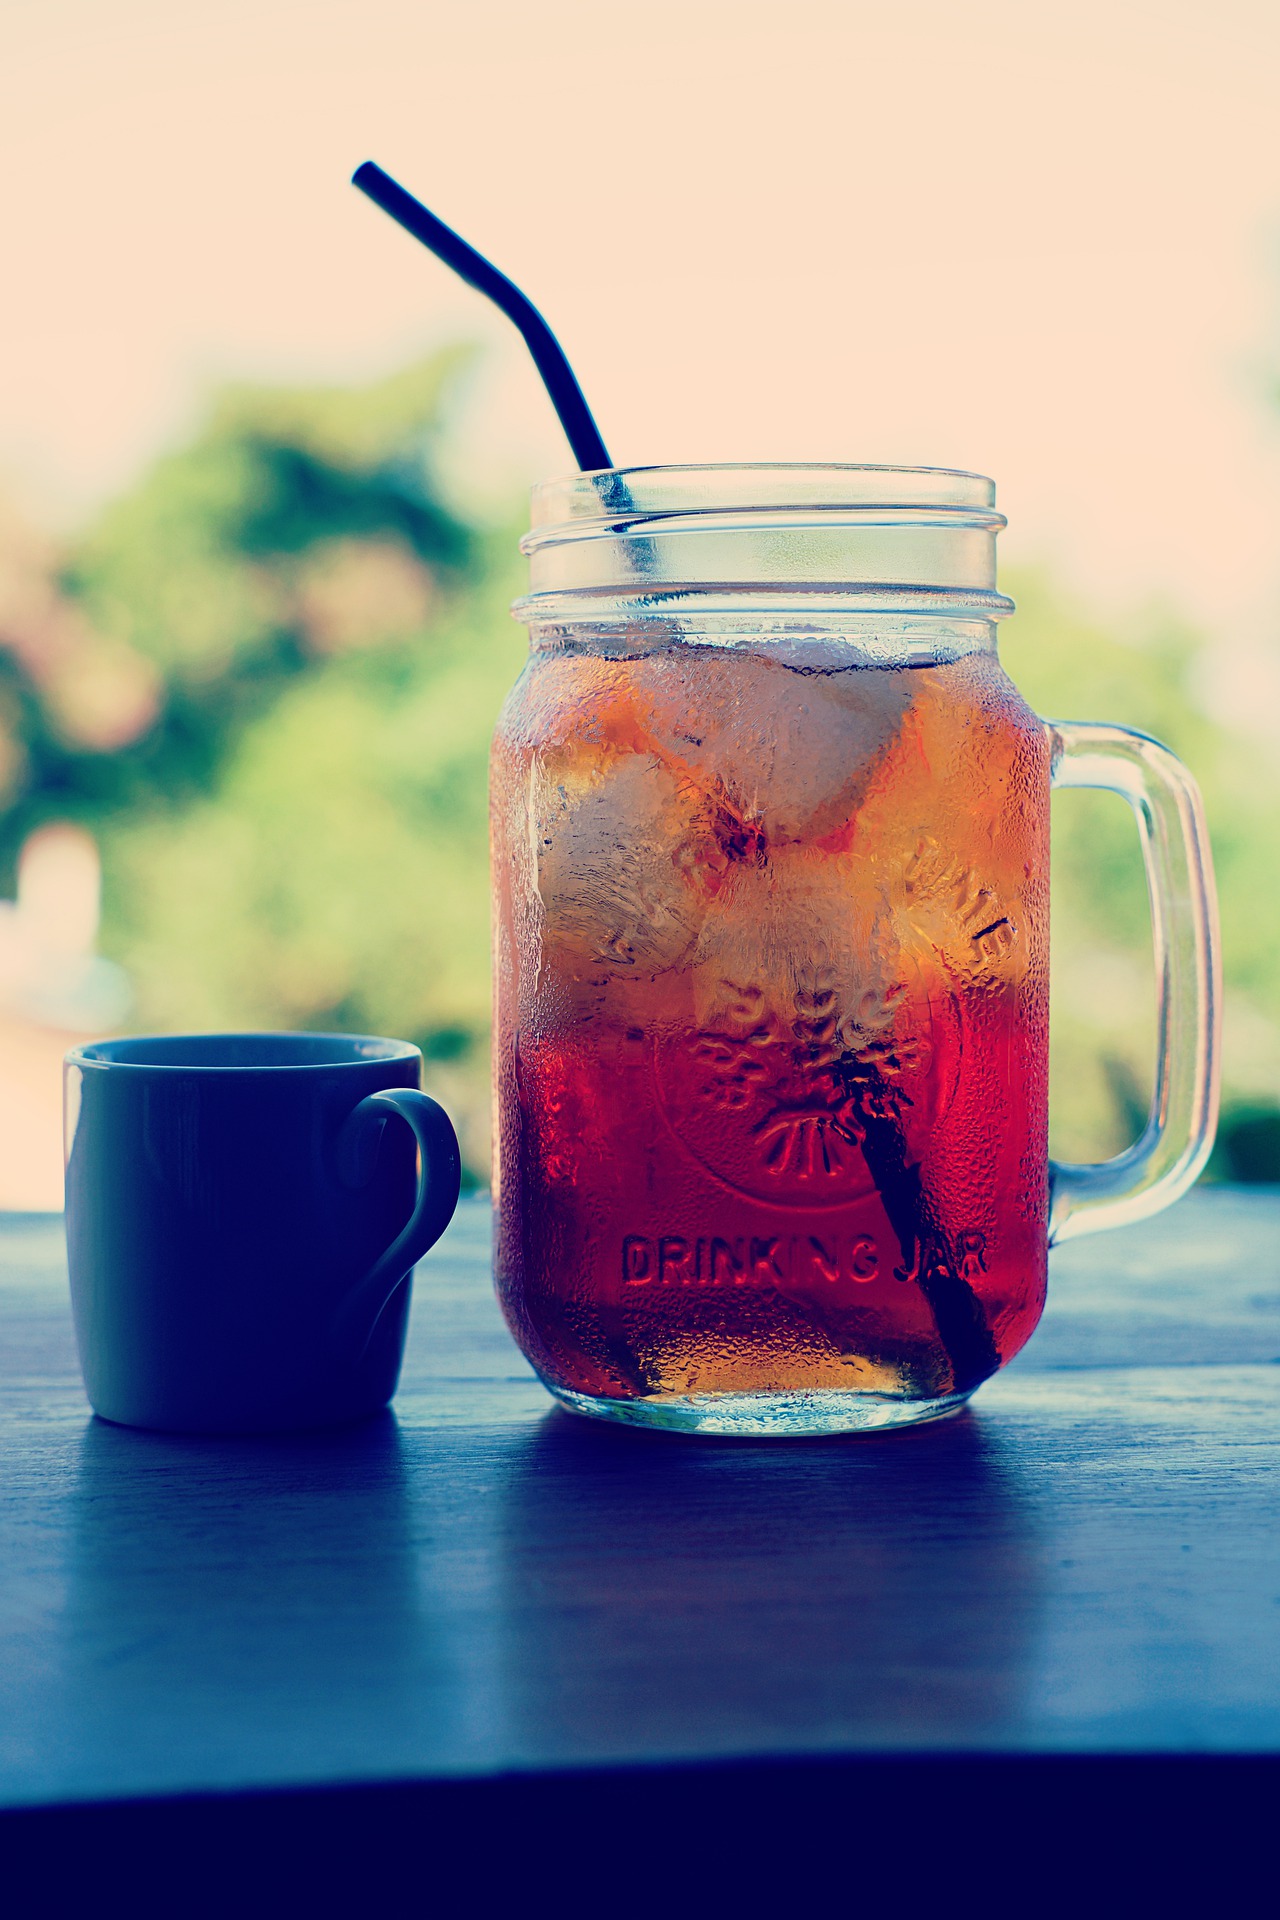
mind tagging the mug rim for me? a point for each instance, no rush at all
(363, 1050)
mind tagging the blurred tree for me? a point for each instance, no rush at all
(266, 678)
(307, 649)
(1103, 989)
(337, 875)
(203, 593)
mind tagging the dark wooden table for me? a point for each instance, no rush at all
(484, 1617)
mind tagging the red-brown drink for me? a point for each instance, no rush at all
(772, 1027)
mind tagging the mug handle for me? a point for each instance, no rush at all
(439, 1183)
(1176, 1141)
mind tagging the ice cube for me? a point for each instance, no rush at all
(785, 751)
(605, 828)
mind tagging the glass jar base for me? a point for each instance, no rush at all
(765, 1416)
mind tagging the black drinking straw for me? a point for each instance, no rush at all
(581, 430)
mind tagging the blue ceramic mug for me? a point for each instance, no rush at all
(243, 1215)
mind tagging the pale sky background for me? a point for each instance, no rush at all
(1037, 239)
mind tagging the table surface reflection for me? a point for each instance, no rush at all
(1086, 1562)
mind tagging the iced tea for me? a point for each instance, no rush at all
(772, 1023)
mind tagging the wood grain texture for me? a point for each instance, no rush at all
(1087, 1562)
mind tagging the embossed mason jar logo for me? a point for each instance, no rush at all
(775, 1099)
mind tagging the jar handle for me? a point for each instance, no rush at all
(1175, 1143)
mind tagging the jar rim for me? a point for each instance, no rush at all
(643, 538)
(614, 493)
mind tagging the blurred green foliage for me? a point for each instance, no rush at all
(1154, 678)
(296, 651)
(296, 835)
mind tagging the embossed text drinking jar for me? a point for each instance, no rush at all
(771, 870)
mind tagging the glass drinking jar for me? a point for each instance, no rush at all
(771, 875)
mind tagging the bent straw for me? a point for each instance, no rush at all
(574, 414)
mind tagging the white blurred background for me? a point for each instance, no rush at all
(1039, 240)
